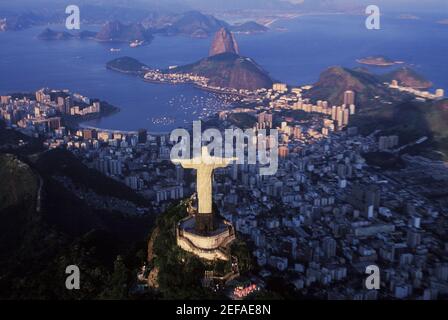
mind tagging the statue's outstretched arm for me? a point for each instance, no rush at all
(224, 162)
(187, 164)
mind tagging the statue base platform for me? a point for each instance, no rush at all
(211, 245)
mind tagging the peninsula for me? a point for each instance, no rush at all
(224, 70)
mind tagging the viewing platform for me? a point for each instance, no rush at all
(212, 245)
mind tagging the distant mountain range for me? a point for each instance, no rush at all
(249, 27)
(115, 31)
(101, 11)
(218, 5)
(192, 23)
(224, 67)
(20, 22)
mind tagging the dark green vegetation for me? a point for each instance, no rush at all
(45, 227)
(370, 89)
(408, 78)
(22, 189)
(379, 107)
(384, 160)
(63, 163)
(13, 141)
(296, 115)
(334, 81)
(241, 251)
(410, 121)
(126, 65)
(180, 273)
(242, 120)
(229, 70)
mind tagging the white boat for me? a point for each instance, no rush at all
(135, 43)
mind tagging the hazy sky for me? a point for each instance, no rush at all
(439, 6)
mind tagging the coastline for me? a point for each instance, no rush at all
(299, 15)
(83, 123)
(155, 133)
(136, 73)
(76, 122)
(192, 83)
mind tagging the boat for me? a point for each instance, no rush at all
(135, 43)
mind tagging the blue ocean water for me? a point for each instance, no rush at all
(296, 51)
(312, 43)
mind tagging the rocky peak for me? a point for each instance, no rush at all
(224, 42)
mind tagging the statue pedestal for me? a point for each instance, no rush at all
(205, 223)
(207, 244)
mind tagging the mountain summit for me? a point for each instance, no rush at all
(225, 68)
(115, 31)
(224, 42)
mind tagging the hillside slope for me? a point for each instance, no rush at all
(370, 90)
(127, 65)
(37, 243)
(410, 120)
(408, 78)
(229, 70)
(334, 81)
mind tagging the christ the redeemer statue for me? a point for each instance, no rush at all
(204, 166)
